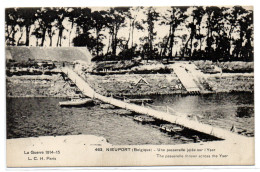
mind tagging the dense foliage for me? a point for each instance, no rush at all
(212, 33)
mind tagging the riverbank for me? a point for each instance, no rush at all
(226, 67)
(135, 84)
(38, 86)
(231, 82)
(123, 85)
(163, 84)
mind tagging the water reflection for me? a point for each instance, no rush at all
(221, 110)
(245, 112)
(30, 117)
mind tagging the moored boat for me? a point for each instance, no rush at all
(171, 128)
(138, 100)
(143, 119)
(76, 102)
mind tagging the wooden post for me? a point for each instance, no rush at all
(233, 129)
(196, 118)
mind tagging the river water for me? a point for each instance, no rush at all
(32, 117)
(222, 110)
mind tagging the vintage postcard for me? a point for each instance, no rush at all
(129, 86)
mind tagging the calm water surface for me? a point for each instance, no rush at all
(220, 110)
(32, 117)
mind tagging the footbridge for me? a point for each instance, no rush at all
(175, 119)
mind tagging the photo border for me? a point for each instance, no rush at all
(76, 3)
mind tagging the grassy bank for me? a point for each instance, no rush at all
(135, 84)
(38, 86)
(226, 67)
(231, 83)
(165, 84)
(123, 84)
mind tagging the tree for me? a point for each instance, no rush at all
(84, 22)
(247, 27)
(38, 35)
(115, 19)
(45, 18)
(227, 31)
(132, 15)
(60, 13)
(243, 45)
(99, 23)
(73, 14)
(84, 39)
(152, 16)
(211, 22)
(173, 18)
(219, 35)
(233, 20)
(198, 14)
(11, 18)
(26, 18)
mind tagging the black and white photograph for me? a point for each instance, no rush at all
(129, 86)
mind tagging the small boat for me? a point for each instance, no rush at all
(107, 106)
(138, 100)
(76, 102)
(171, 128)
(138, 118)
(185, 140)
(176, 129)
(143, 119)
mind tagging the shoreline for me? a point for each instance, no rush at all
(123, 85)
(38, 97)
(140, 94)
(167, 84)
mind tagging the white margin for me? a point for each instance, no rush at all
(77, 3)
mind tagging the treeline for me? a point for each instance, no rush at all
(212, 33)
